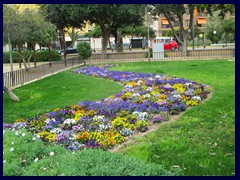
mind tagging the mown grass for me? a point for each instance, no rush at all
(60, 90)
(202, 140)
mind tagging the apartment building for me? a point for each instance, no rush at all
(200, 21)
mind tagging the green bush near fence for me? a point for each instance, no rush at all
(84, 50)
(41, 56)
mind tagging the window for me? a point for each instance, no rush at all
(187, 22)
(176, 23)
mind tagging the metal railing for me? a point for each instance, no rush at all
(22, 76)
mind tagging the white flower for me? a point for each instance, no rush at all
(188, 84)
(4, 161)
(12, 143)
(44, 169)
(16, 133)
(12, 149)
(23, 134)
(149, 89)
(36, 159)
(3, 152)
(56, 130)
(23, 160)
(47, 120)
(196, 98)
(69, 121)
(3, 132)
(51, 153)
(34, 138)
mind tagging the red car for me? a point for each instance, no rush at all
(169, 45)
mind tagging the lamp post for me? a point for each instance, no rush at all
(148, 23)
(214, 32)
(193, 30)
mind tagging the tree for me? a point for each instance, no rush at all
(15, 28)
(222, 9)
(61, 15)
(10, 93)
(228, 30)
(73, 35)
(224, 28)
(110, 17)
(26, 26)
(138, 31)
(173, 12)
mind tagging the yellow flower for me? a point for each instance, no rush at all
(191, 103)
(56, 109)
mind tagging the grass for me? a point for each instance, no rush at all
(202, 141)
(60, 90)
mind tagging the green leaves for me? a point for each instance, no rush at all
(84, 50)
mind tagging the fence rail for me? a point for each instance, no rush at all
(19, 77)
(22, 76)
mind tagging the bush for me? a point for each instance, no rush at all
(40, 55)
(26, 155)
(84, 50)
(95, 162)
(15, 56)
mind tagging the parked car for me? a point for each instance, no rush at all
(42, 49)
(169, 45)
(69, 50)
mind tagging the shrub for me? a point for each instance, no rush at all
(84, 50)
(15, 56)
(95, 162)
(41, 56)
(21, 149)
(26, 155)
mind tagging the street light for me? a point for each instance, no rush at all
(193, 30)
(214, 32)
(148, 23)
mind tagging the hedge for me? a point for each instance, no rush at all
(42, 56)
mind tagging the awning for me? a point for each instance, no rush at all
(165, 21)
(201, 20)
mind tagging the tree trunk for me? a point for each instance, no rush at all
(49, 54)
(34, 56)
(29, 58)
(106, 34)
(20, 56)
(115, 40)
(119, 40)
(63, 44)
(184, 46)
(10, 93)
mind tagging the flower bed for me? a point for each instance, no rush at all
(144, 100)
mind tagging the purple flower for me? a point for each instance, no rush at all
(157, 119)
(78, 128)
(7, 125)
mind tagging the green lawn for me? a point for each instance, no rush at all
(202, 141)
(60, 90)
